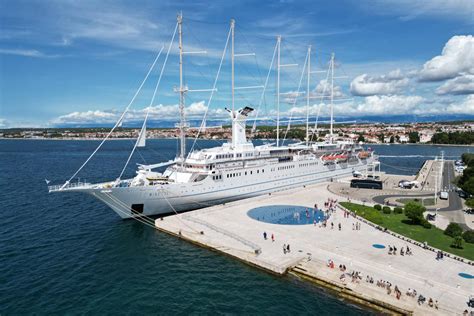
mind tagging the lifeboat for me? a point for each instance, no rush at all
(330, 158)
(364, 154)
(342, 157)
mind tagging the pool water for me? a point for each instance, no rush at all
(466, 275)
(378, 246)
(286, 214)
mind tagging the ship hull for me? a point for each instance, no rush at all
(129, 202)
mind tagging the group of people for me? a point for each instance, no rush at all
(439, 255)
(421, 299)
(286, 248)
(265, 236)
(393, 251)
(356, 226)
(356, 276)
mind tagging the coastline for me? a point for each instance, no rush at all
(223, 139)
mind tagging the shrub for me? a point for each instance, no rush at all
(414, 211)
(426, 224)
(378, 207)
(457, 242)
(387, 210)
(398, 210)
(470, 202)
(468, 236)
(453, 230)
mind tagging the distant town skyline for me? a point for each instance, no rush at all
(68, 63)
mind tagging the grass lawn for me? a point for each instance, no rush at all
(398, 223)
(422, 201)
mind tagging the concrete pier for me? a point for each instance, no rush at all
(228, 229)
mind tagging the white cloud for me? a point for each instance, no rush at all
(368, 106)
(384, 105)
(391, 83)
(387, 105)
(464, 107)
(3, 123)
(25, 53)
(157, 112)
(87, 117)
(409, 9)
(324, 89)
(463, 84)
(457, 57)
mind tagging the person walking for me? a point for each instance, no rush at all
(273, 237)
(265, 235)
(339, 225)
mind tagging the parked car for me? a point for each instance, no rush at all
(444, 195)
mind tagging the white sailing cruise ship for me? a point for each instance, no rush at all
(236, 170)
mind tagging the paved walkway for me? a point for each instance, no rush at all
(353, 248)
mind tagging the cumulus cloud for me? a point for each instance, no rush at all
(389, 105)
(391, 83)
(456, 58)
(463, 84)
(324, 89)
(156, 112)
(464, 107)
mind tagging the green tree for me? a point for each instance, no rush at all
(392, 139)
(468, 236)
(453, 230)
(414, 211)
(468, 186)
(361, 138)
(413, 137)
(457, 242)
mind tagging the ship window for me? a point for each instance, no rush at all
(258, 171)
(245, 172)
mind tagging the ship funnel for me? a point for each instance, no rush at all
(238, 125)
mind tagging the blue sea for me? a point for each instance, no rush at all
(70, 254)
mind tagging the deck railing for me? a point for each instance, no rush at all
(60, 187)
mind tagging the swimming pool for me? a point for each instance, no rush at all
(286, 214)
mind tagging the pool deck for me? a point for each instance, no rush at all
(228, 229)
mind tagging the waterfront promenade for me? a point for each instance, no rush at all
(228, 229)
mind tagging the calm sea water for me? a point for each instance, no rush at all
(70, 254)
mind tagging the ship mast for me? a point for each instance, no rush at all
(232, 26)
(182, 90)
(332, 96)
(278, 90)
(307, 94)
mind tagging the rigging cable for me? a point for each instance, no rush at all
(262, 97)
(203, 123)
(116, 124)
(152, 100)
(296, 97)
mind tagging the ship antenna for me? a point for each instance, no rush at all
(182, 90)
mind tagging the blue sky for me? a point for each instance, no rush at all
(80, 62)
